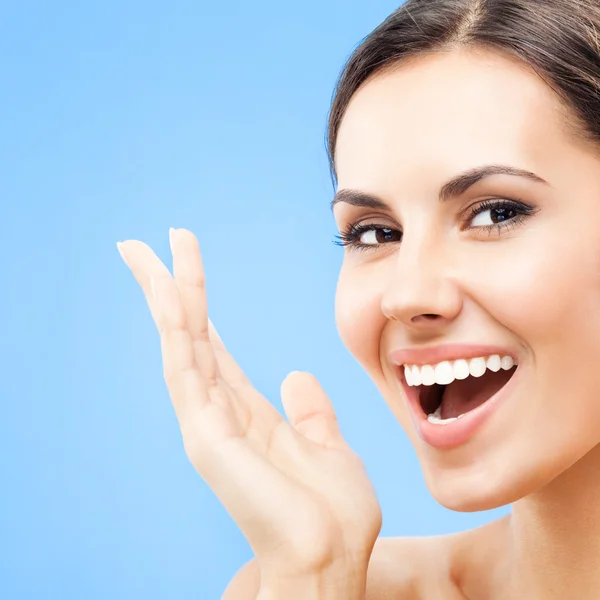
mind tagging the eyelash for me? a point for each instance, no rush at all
(351, 236)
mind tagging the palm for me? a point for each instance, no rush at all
(297, 490)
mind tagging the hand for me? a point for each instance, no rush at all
(298, 492)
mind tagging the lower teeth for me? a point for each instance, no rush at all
(436, 417)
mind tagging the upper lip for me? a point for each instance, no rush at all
(435, 354)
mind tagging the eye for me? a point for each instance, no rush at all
(377, 235)
(493, 216)
(498, 214)
(368, 236)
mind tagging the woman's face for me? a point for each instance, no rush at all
(524, 278)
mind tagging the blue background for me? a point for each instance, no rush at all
(118, 120)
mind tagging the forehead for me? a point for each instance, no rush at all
(447, 111)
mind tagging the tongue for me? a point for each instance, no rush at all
(464, 395)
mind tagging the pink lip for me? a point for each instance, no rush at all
(456, 432)
(437, 354)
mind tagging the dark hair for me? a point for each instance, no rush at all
(558, 39)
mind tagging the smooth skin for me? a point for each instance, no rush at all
(533, 287)
(298, 492)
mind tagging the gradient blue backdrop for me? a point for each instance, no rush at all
(118, 120)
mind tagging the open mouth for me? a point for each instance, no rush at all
(452, 401)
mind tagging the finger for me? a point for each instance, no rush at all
(142, 262)
(184, 381)
(230, 370)
(189, 277)
(190, 280)
(310, 411)
(255, 416)
(212, 358)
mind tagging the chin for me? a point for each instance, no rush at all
(468, 499)
(474, 494)
(488, 485)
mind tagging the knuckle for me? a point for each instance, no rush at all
(203, 333)
(194, 281)
(213, 384)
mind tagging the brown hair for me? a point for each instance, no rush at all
(558, 39)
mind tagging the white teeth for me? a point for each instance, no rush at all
(477, 367)
(436, 417)
(507, 362)
(427, 375)
(446, 371)
(437, 421)
(416, 375)
(461, 369)
(494, 363)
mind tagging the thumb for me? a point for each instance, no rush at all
(310, 411)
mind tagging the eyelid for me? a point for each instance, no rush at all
(351, 233)
(375, 221)
(475, 209)
(356, 215)
(522, 209)
(349, 236)
(492, 201)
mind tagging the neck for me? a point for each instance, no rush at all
(553, 537)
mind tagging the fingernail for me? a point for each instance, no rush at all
(171, 231)
(122, 253)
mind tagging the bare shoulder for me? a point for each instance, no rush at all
(416, 568)
(401, 568)
(455, 566)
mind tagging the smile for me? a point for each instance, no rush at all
(449, 400)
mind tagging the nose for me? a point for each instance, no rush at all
(422, 293)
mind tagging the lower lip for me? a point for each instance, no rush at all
(456, 432)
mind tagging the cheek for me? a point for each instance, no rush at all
(542, 288)
(546, 292)
(358, 315)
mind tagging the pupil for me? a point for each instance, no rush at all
(502, 214)
(385, 235)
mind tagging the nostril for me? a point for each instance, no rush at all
(426, 317)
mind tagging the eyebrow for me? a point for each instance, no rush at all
(456, 186)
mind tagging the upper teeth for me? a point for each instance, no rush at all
(447, 371)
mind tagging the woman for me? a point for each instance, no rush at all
(464, 140)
